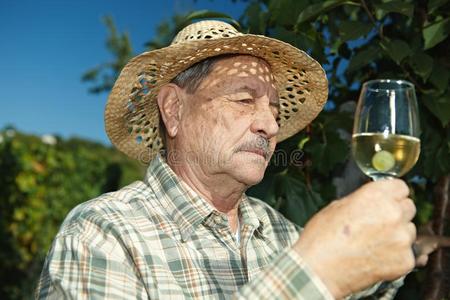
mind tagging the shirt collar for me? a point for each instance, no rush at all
(248, 215)
(184, 205)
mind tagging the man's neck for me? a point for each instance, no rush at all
(222, 192)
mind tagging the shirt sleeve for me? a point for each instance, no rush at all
(379, 291)
(287, 277)
(75, 270)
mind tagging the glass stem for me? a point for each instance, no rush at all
(382, 177)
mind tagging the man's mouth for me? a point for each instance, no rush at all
(256, 151)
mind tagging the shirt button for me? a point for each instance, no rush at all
(218, 219)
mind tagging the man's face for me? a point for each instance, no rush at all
(229, 124)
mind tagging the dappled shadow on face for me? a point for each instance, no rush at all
(243, 69)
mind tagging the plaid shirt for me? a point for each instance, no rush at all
(158, 239)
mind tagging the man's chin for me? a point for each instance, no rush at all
(249, 167)
(252, 180)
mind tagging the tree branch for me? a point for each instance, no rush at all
(372, 19)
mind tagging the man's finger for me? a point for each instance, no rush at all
(408, 209)
(443, 241)
(397, 188)
(422, 260)
(401, 188)
(412, 230)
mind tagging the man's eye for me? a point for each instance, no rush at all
(245, 101)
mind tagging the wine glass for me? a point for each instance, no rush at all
(385, 140)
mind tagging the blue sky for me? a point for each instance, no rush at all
(47, 45)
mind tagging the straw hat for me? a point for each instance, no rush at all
(132, 116)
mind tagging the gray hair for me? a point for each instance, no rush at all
(191, 78)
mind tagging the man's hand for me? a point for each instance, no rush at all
(362, 239)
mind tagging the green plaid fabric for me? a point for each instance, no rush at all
(158, 239)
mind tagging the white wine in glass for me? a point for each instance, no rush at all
(385, 141)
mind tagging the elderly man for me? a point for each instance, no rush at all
(218, 101)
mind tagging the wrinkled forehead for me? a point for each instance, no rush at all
(241, 68)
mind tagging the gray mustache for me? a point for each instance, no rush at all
(259, 143)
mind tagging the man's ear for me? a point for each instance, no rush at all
(170, 106)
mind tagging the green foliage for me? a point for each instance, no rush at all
(104, 75)
(165, 32)
(40, 183)
(350, 30)
(436, 32)
(295, 198)
(314, 10)
(206, 14)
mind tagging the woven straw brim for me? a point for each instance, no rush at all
(132, 117)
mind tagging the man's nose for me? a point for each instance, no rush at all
(265, 123)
